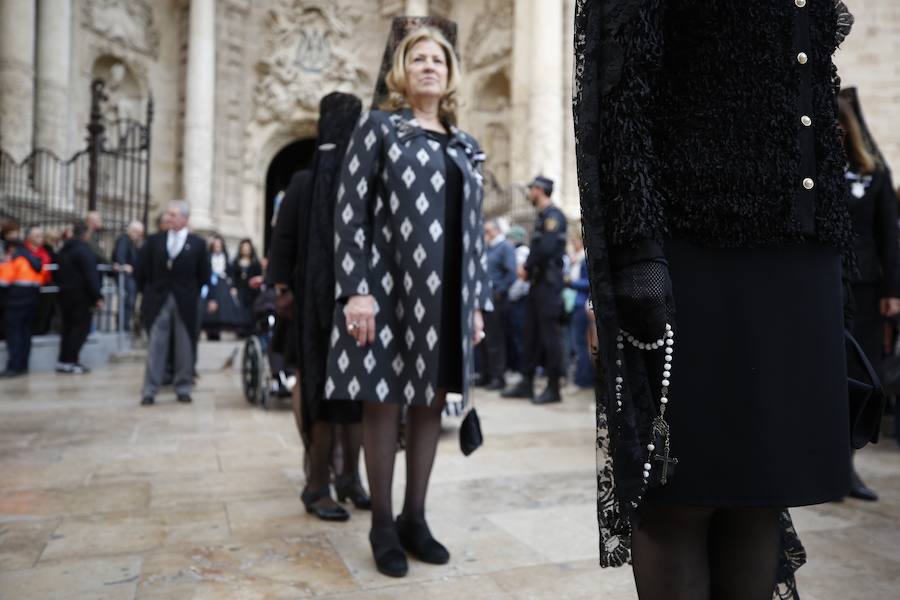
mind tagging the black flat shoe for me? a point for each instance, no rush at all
(351, 488)
(185, 398)
(860, 490)
(389, 557)
(416, 539)
(147, 400)
(335, 513)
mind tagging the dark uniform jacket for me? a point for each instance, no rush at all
(548, 247)
(157, 277)
(77, 276)
(124, 251)
(715, 122)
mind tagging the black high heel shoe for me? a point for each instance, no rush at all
(335, 513)
(351, 487)
(416, 539)
(389, 557)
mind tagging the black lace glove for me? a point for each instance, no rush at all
(644, 298)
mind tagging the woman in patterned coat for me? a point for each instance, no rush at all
(410, 282)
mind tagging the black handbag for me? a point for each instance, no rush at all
(470, 438)
(867, 399)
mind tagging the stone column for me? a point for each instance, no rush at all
(199, 115)
(538, 93)
(17, 76)
(54, 22)
(416, 8)
(546, 103)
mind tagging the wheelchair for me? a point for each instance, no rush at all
(264, 376)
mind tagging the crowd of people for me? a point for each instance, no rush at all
(398, 298)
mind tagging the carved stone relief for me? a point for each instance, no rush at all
(125, 22)
(122, 89)
(308, 49)
(491, 39)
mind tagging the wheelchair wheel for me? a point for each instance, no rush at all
(255, 372)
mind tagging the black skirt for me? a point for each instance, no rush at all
(758, 404)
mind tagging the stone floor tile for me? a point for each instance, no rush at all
(289, 567)
(21, 542)
(108, 578)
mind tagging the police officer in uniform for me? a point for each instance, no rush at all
(544, 271)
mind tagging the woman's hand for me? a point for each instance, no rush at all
(890, 307)
(478, 333)
(360, 316)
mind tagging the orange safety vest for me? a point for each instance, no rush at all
(24, 269)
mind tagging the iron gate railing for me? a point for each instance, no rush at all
(111, 175)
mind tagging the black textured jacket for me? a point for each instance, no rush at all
(716, 122)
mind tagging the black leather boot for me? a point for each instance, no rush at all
(523, 389)
(860, 490)
(550, 394)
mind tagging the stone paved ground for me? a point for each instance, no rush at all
(100, 498)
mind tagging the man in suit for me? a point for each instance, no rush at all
(501, 261)
(124, 258)
(172, 267)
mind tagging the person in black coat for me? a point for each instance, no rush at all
(79, 292)
(873, 209)
(715, 215)
(172, 268)
(301, 264)
(245, 273)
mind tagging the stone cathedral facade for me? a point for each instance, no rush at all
(236, 85)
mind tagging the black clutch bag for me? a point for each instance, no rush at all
(867, 398)
(470, 438)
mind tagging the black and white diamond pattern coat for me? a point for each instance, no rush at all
(389, 242)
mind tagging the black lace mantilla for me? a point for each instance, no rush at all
(625, 188)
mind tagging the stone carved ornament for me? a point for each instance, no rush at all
(309, 52)
(125, 22)
(491, 39)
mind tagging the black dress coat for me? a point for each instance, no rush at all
(155, 279)
(873, 208)
(389, 243)
(673, 100)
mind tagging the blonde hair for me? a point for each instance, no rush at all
(396, 77)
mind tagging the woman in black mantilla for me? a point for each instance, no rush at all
(873, 208)
(713, 202)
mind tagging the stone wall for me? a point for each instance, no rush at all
(870, 60)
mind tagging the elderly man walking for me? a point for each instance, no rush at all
(172, 267)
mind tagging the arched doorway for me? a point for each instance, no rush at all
(290, 159)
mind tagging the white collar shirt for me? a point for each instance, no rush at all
(175, 241)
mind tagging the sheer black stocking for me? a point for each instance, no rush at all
(351, 442)
(320, 461)
(743, 553)
(423, 430)
(691, 553)
(381, 423)
(669, 553)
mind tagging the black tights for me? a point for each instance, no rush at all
(381, 424)
(689, 553)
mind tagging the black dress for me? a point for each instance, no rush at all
(450, 369)
(751, 325)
